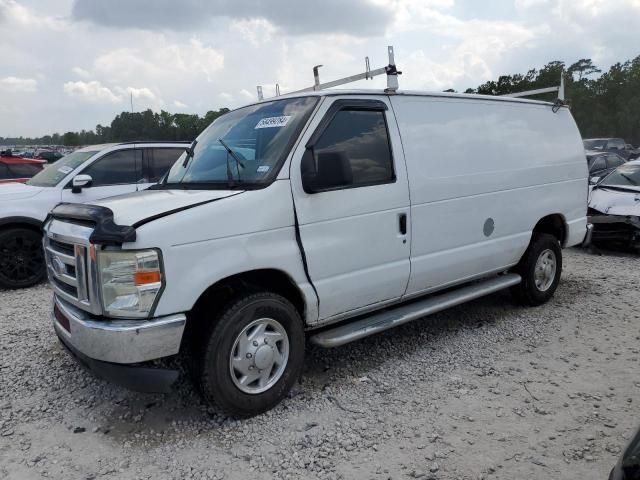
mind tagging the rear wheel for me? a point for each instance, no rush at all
(252, 355)
(21, 258)
(540, 269)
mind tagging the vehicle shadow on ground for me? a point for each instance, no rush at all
(609, 251)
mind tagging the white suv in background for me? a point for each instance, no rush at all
(86, 175)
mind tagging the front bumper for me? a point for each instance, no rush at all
(118, 341)
(116, 349)
(616, 229)
(134, 377)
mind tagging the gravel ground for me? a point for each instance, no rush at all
(487, 390)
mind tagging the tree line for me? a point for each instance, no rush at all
(130, 126)
(606, 105)
(603, 104)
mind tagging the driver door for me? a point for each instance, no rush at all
(352, 202)
(116, 173)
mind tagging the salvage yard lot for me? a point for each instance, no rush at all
(484, 390)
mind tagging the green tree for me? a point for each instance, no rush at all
(583, 68)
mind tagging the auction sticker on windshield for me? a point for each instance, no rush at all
(271, 122)
(65, 169)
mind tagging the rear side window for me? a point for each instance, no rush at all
(355, 146)
(614, 161)
(157, 161)
(24, 170)
(116, 168)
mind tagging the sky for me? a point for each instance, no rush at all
(72, 64)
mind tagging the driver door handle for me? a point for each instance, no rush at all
(402, 223)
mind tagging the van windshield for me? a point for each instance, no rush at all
(242, 148)
(54, 173)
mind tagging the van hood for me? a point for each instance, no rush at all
(17, 191)
(141, 207)
(615, 202)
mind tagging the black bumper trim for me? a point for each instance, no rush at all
(133, 377)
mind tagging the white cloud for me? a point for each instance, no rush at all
(75, 74)
(81, 72)
(16, 15)
(256, 31)
(92, 92)
(247, 95)
(18, 85)
(95, 92)
(524, 4)
(142, 93)
(159, 59)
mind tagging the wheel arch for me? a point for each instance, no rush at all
(267, 279)
(554, 224)
(21, 222)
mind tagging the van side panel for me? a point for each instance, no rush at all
(481, 175)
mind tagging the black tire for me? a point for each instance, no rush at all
(214, 358)
(528, 292)
(21, 258)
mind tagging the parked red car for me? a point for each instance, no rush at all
(18, 169)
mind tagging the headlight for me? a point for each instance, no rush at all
(130, 281)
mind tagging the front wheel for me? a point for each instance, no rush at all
(540, 269)
(252, 355)
(21, 258)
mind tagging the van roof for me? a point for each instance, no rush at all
(375, 92)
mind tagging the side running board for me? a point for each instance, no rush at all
(402, 314)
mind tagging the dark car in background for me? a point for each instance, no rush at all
(18, 169)
(50, 156)
(617, 145)
(602, 163)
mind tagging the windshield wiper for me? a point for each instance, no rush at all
(622, 188)
(189, 151)
(235, 157)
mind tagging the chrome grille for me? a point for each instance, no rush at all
(71, 269)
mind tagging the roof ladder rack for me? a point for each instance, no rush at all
(390, 71)
(559, 89)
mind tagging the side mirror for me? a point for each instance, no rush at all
(332, 170)
(593, 180)
(79, 182)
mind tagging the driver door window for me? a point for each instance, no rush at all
(353, 151)
(117, 168)
(114, 174)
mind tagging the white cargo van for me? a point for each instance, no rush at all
(328, 215)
